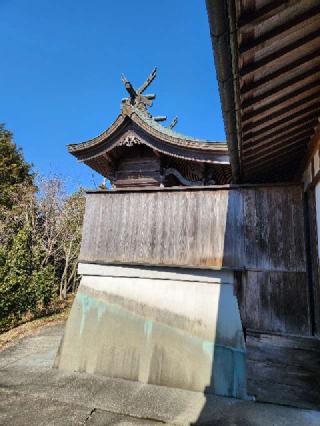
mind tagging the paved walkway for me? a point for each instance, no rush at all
(32, 393)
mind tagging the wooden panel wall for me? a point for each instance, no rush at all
(138, 171)
(159, 228)
(284, 369)
(259, 229)
(274, 229)
(275, 302)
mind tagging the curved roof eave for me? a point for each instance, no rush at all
(86, 145)
(152, 128)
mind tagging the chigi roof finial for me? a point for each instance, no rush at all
(136, 97)
(142, 102)
(136, 134)
(173, 122)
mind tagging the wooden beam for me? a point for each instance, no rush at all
(285, 70)
(297, 24)
(274, 150)
(285, 369)
(274, 154)
(273, 57)
(288, 84)
(157, 153)
(310, 92)
(283, 171)
(274, 169)
(289, 153)
(271, 170)
(260, 147)
(285, 114)
(109, 159)
(250, 19)
(254, 163)
(279, 133)
(303, 114)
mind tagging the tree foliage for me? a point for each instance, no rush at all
(14, 170)
(16, 189)
(60, 221)
(40, 230)
(16, 294)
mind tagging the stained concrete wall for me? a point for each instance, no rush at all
(174, 327)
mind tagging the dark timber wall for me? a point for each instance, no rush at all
(257, 231)
(259, 228)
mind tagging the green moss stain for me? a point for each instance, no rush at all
(229, 372)
(88, 304)
(148, 325)
(208, 348)
(228, 363)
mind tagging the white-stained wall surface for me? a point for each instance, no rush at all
(174, 327)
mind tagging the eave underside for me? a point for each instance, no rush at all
(275, 58)
(220, 172)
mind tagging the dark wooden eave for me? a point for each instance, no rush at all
(267, 56)
(133, 123)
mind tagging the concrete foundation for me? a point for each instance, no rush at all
(174, 327)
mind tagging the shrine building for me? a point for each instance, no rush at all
(200, 263)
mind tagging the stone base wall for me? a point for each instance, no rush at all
(173, 327)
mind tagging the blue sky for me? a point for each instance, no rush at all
(61, 62)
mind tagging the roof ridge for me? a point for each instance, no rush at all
(166, 130)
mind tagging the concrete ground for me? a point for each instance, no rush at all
(32, 393)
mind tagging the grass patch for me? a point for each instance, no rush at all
(28, 325)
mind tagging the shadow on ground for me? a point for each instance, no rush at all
(34, 393)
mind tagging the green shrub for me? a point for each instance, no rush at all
(40, 230)
(25, 286)
(15, 297)
(43, 283)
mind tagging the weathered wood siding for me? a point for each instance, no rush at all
(275, 302)
(158, 228)
(258, 228)
(284, 369)
(138, 171)
(257, 231)
(273, 231)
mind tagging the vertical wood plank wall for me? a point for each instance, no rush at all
(257, 230)
(260, 229)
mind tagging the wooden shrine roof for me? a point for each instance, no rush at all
(267, 56)
(136, 126)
